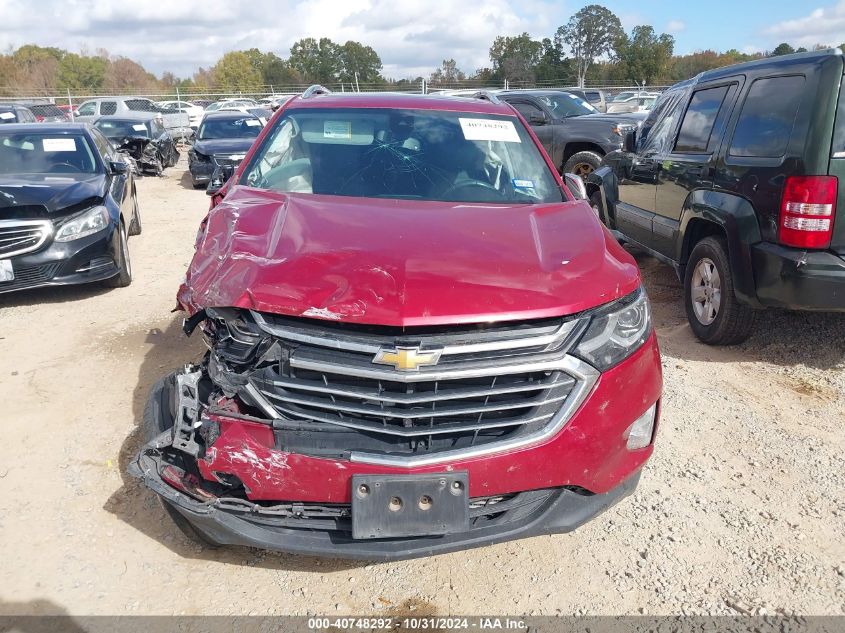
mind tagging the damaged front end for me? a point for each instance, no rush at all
(272, 438)
(142, 154)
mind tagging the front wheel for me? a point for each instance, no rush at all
(714, 313)
(582, 164)
(124, 266)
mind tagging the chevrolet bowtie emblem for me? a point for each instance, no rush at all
(407, 358)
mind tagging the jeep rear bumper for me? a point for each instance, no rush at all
(553, 511)
(798, 279)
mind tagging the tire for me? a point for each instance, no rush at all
(159, 413)
(135, 224)
(582, 164)
(714, 313)
(124, 265)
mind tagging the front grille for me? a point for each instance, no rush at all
(23, 236)
(30, 276)
(491, 385)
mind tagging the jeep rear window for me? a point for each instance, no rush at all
(767, 117)
(404, 154)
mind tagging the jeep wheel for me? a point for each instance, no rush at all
(582, 164)
(714, 314)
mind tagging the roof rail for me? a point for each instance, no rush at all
(316, 89)
(486, 96)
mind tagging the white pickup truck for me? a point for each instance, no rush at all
(177, 123)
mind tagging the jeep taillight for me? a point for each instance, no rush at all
(807, 209)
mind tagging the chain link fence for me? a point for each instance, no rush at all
(13, 94)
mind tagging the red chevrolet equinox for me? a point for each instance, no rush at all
(420, 340)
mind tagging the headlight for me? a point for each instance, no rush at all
(84, 224)
(623, 128)
(201, 158)
(616, 331)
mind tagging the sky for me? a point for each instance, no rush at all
(412, 37)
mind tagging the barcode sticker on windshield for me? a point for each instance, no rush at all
(489, 130)
(139, 127)
(252, 122)
(337, 129)
(59, 144)
(7, 115)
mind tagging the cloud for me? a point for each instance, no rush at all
(675, 26)
(824, 25)
(181, 36)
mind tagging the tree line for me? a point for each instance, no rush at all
(591, 47)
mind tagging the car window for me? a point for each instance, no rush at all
(87, 109)
(767, 117)
(699, 120)
(45, 153)
(119, 129)
(403, 154)
(108, 107)
(245, 127)
(593, 96)
(141, 105)
(655, 134)
(45, 110)
(528, 110)
(565, 105)
(102, 144)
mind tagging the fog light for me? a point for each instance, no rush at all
(640, 432)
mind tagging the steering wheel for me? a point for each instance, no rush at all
(73, 167)
(464, 184)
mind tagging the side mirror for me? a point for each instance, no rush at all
(117, 167)
(576, 186)
(536, 118)
(219, 178)
(630, 142)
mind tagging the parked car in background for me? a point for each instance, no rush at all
(642, 103)
(217, 105)
(262, 113)
(15, 113)
(178, 123)
(419, 341)
(69, 110)
(570, 129)
(67, 207)
(736, 180)
(143, 138)
(195, 112)
(203, 103)
(596, 98)
(222, 140)
(274, 102)
(48, 113)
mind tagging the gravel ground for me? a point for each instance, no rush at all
(741, 510)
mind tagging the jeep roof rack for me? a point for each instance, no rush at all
(486, 96)
(316, 89)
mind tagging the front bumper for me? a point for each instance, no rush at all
(798, 279)
(587, 467)
(201, 171)
(562, 511)
(86, 260)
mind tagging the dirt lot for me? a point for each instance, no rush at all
(742, 508)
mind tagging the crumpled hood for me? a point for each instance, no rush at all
(52, 192)
(403, 263)
(224, 146)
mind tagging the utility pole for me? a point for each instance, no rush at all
(70, 106)
(357, 87)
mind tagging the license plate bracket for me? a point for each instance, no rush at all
(391, 506)
(7, 272)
